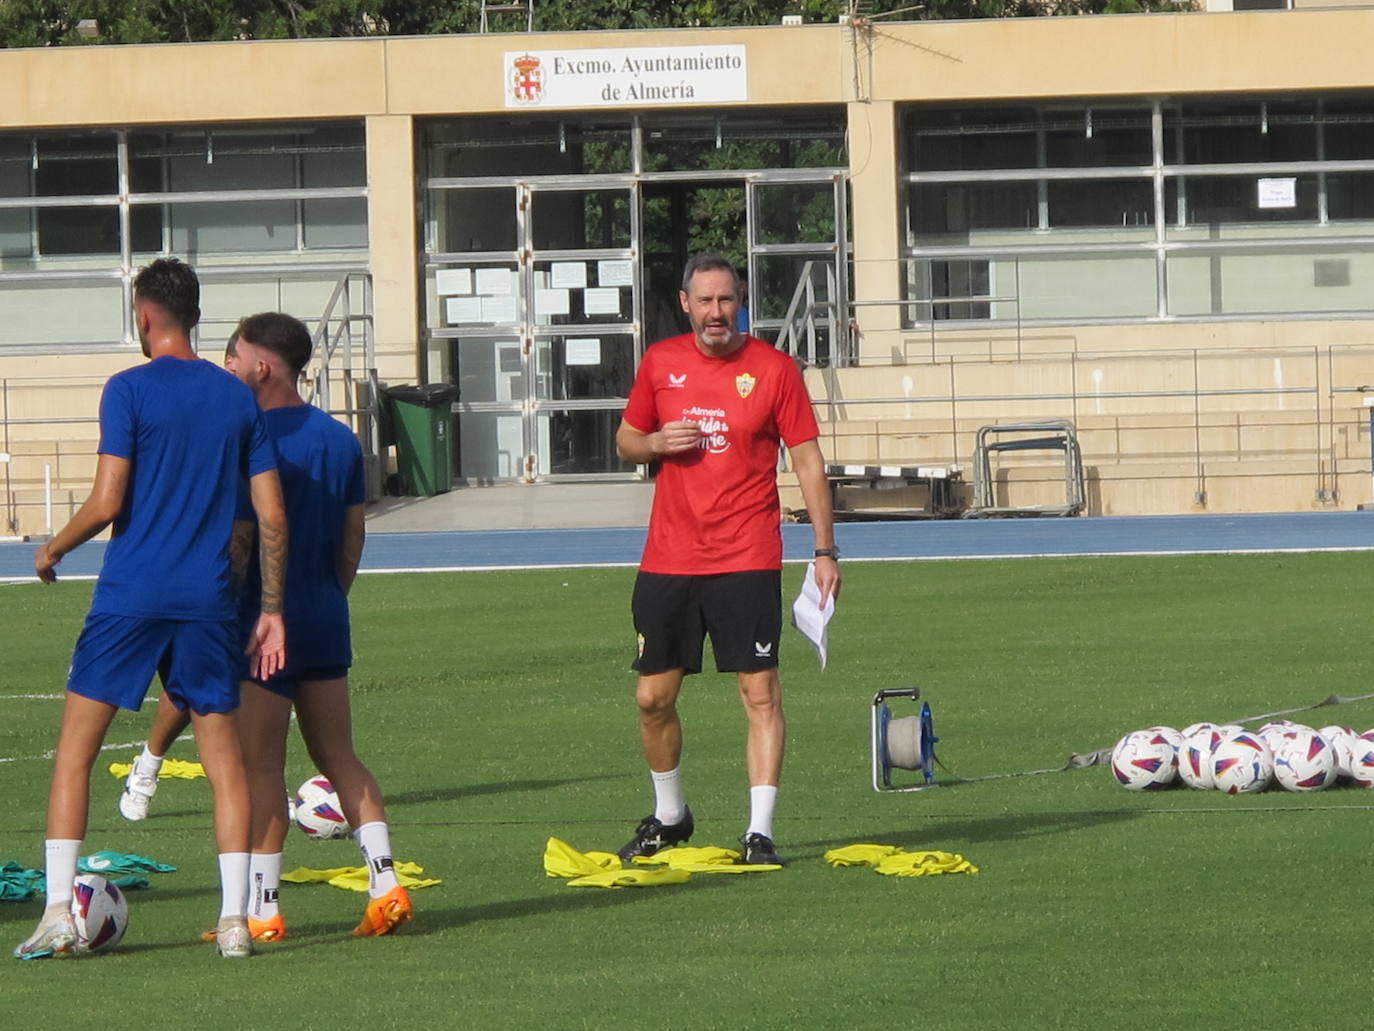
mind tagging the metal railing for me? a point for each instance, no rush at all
(341, 379)
(811, 329)
(345, 366)
(1217, 406)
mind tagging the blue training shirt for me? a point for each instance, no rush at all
(321, 467)
(191, 433)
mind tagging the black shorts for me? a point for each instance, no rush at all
(741, 611)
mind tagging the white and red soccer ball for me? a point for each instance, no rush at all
(100, 913)
(1195, 755)
(1242, 764)
(1342, 741)
(1362, 759)
(1144, 760)
(317, 812)
(1305, 761)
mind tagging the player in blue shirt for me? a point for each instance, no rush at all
(321, 466)
(177, 436)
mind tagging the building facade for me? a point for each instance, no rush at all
(1158, 227)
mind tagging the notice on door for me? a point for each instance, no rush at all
(582, 351)
(626, 77)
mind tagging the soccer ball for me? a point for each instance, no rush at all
(1341, 740)
(317, 811)
(1195, 755)
(1305, 761)
(100, 912)
(1242, 764)
(1362, 759)
(1144, 760)
(1174, 738)
(1272, 734)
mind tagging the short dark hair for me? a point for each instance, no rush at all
(707, 262)
(283, 335)
(172, 286)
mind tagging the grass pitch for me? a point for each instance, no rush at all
(496, 710)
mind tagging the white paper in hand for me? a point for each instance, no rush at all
(807, 614)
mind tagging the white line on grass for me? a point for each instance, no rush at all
(527, 566)
(32, 697)
(50, 754)
(1143, 553)
(13, 581)
(499, 569)
(104, 748)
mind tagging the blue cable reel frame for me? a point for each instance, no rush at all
(880, 723)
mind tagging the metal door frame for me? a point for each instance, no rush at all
(536, 406)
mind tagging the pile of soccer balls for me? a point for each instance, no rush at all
(1238, 762)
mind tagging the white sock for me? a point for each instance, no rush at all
(233, 884)
(762, 798)
(59, 867)
(148, 764)
(264, 881)
(375, 841)
(669, 807)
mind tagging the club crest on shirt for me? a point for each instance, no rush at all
(744, 383)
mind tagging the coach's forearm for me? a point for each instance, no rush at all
(638, 447)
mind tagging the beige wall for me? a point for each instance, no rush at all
(393, 244)
(1024, 57)
(1139, 462)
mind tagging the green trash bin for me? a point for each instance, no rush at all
(421, 424)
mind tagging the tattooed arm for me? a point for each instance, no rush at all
(97, 512)
(268, 644)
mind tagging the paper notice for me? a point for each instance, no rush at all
(809, 617)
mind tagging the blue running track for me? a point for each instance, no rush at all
(954, 539)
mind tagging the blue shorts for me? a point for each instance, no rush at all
(116, 656)
(287, 682)
(314, 651)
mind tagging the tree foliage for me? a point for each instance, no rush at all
(42, 23)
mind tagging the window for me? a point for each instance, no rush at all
(1241, 132)
(227, 195)
(940, 140)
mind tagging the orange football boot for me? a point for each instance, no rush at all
(273, 930)
(383, 915)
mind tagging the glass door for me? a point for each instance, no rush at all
(581, 279)
(798, 258)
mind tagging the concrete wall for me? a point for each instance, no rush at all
(1253, 451)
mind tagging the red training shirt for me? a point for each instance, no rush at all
(716, 508)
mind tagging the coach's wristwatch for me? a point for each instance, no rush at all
(827, 553)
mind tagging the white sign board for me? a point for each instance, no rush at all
(582, 351)
(615, 273)
(625, 77)
(462, 309)
(571, 274)
(453, 281)
(551, 302)
(601, 300)
(1278, 193)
